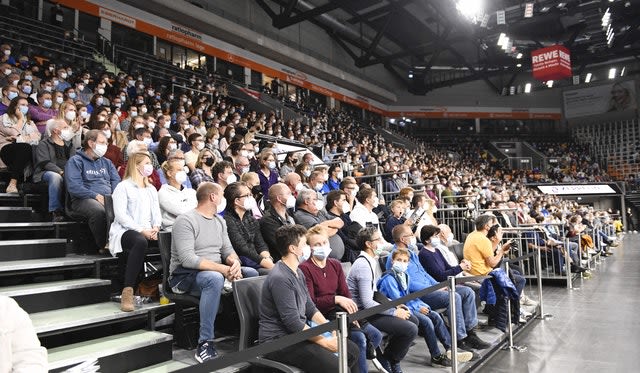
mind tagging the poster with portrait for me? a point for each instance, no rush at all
(601, 99)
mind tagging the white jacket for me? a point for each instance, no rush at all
(20, 349)
(174, 202)
(134, 208)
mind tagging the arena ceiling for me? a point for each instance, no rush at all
(438, 44)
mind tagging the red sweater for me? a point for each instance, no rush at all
(325, 283)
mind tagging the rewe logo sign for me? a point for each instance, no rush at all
(551, 63)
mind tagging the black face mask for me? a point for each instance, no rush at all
(209, 162)
(257, 189)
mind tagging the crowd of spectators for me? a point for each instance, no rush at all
(238, 206)
(574, 162)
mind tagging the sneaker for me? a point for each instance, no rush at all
(440, 361)
(206, 352)
(395, 367)
(377, 363)
(473, 342)
(526, 301)
(57, 216)
(463, 356)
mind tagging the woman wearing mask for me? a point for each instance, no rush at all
(51, 156)
(304, 171)
(166, 145)
(58, 99)
(119, 137)
(212, 142)
(17, 134)
(289, 164)
(9, 92)
(244, 229)
(137, 220)
(268, 171)
(397, 322)
(44, 111)
(202, 172)
(196, 141)
(175, 199)
(114, 153)
(96, 101)
(68, 113)
(227, 138)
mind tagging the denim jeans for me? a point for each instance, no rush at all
(54, 181)
(360, 338)
(208, 286)
(466, 314)
(434, 330)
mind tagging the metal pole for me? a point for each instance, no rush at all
(452, 323)
(539, 279)
(566, 262)
(509, 325)
(343, 366)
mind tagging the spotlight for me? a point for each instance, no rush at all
(519, 65)
(470, 9)
(527, 88)
(612, 73)
(519, 56)
(410, 76)
(587, 79)
(550, 83)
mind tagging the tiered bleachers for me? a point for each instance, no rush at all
(617, 144)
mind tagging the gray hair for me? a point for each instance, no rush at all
(303, 195)
(52, 124)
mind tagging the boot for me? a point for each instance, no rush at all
(126, 301)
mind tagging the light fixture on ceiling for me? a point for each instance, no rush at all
(612, 73)
(624, 69)
(527, 88)
(587, 79)
(501, 39)
(519, 65)
(519, 56)
(470, 9)
(550, 83)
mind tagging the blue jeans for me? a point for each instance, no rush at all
(360, 337)
(54, 180)
(466, 314)
(434, 330)
(208, 286)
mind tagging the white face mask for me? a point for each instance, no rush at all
(70, 115)
(100, 150)
(319, 204)
(221, 206)
(306, 253)
(147, 141)
(318, 187)
(299, 187)
(181, 177)
(173, 146)
(66, 134)
(200, 146)
(249, 203)
(321, 252)
(413, 242)
(107, 133)
(231, 179)
(375, 203)
(400, 267)
(346, 207)
(291, 202)
(450, 239)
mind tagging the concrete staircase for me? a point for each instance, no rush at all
(68, 301)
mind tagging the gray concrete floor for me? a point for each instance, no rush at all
(593, 327)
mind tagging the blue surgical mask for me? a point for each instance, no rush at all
(24, 109)
(12, 95)
(306, 253)
(400, 267)
(47, 103)
(321, 252)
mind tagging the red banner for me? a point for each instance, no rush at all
(551, 63)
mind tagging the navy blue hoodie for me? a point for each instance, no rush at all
(86, 177)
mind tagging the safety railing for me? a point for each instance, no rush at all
(339, 325)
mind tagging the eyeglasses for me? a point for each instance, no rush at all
(244, 195)
(375, 239)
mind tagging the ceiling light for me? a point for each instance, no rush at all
(587, 79)
(550, 83)
(501, 39)
(519, 56)
(410, 76)
(624, 68)
(519, 65)
(561, 5)
(527, 88)
(470, 9)
(544, 9)
(392, 120)
(612, 73)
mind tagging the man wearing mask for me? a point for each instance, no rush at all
(9, 92)
(51, 156)
(223, 173)
(202, 258)
(89, 177)
(62, 80)
(309, 212)
(42, 112)
(276, 215)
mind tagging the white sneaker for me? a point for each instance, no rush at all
(463, 356)
(526, 301)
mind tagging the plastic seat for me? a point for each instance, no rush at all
(247, 294)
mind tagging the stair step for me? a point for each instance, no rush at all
(166, 367)
(82, 317)
(44, 265)
(53, 295)
(117, 353)
(33, 249)
(15, 214)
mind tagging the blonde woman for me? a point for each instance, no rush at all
(137, 220)
(17, 134)
(203, 171)
(69, 114)
(175, 199)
